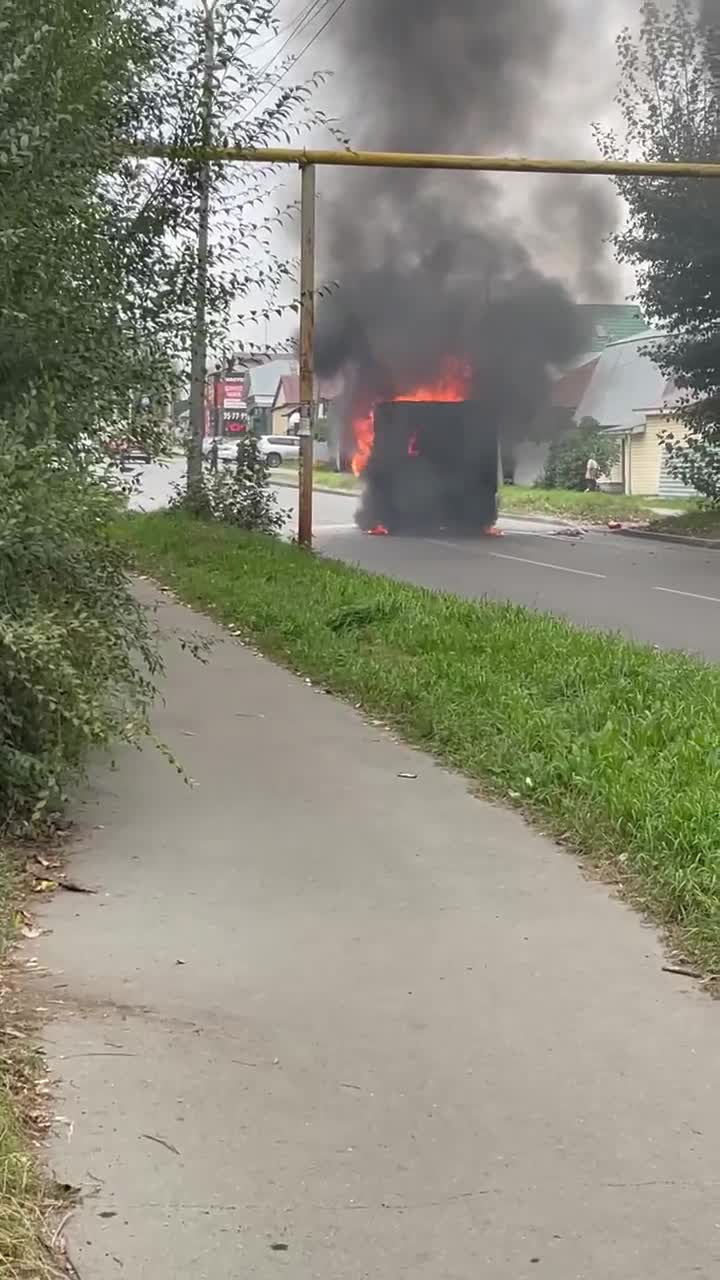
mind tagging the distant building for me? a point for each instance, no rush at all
(612, 322)
(524, 462)
(261, 383)
(630, 397)
(286, 402)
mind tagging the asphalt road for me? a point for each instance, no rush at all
(651, 591)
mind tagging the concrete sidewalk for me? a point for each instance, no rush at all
(324, 1021)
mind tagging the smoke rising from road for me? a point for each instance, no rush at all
(431, 265)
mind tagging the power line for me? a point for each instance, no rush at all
(298, 24)
(317, 35)
(294, 27)
(296, 57)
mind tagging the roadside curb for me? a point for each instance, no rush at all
(681, 539)
(317, 488)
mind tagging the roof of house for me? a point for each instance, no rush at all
(626, 384)
(611, 322)
(247, 358)
(288, 389)
(262, 380)
(570, 387)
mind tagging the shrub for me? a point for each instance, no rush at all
(567, 457)
(76, 657)
(238, 493)
(695, 461)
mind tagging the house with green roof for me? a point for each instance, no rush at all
(612, 322)
(608, 323)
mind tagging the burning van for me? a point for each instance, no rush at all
(432, 467)
(428, 458)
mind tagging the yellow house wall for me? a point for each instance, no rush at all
(279, 423)
(646, 453)
(645, 461)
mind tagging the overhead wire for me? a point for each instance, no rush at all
(298, 24)
(295, 58)
(293, 27)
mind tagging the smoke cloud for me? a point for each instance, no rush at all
(710, 12)
(445, 73)
(431, 265)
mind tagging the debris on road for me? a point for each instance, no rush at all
(45, 886)
(162, 1142)
(72, 886)
(32, 932)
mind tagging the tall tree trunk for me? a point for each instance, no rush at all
(198, 366)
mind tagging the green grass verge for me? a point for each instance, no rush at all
(594, 507)
(324, 479)
(23, 1192)
(614, 747)
(696, 524)
(526, 500)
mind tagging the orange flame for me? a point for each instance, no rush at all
(451, 387)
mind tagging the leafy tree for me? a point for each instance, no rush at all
(84, 335)
(98, 273)
(218, 87)
(568, 456)
(668, 96)
(83, 319)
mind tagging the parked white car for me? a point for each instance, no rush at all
(279, 449)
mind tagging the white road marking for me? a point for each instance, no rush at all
(542, 564)
(471, 544)
(694, 595)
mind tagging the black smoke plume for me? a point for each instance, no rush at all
(429, 265)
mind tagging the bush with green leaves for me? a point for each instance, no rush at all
(695, 461)
(568, 456)
(238, 493)
(85, 336)
(77, 660)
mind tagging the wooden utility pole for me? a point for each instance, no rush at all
(198, 363)
(307, 360)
